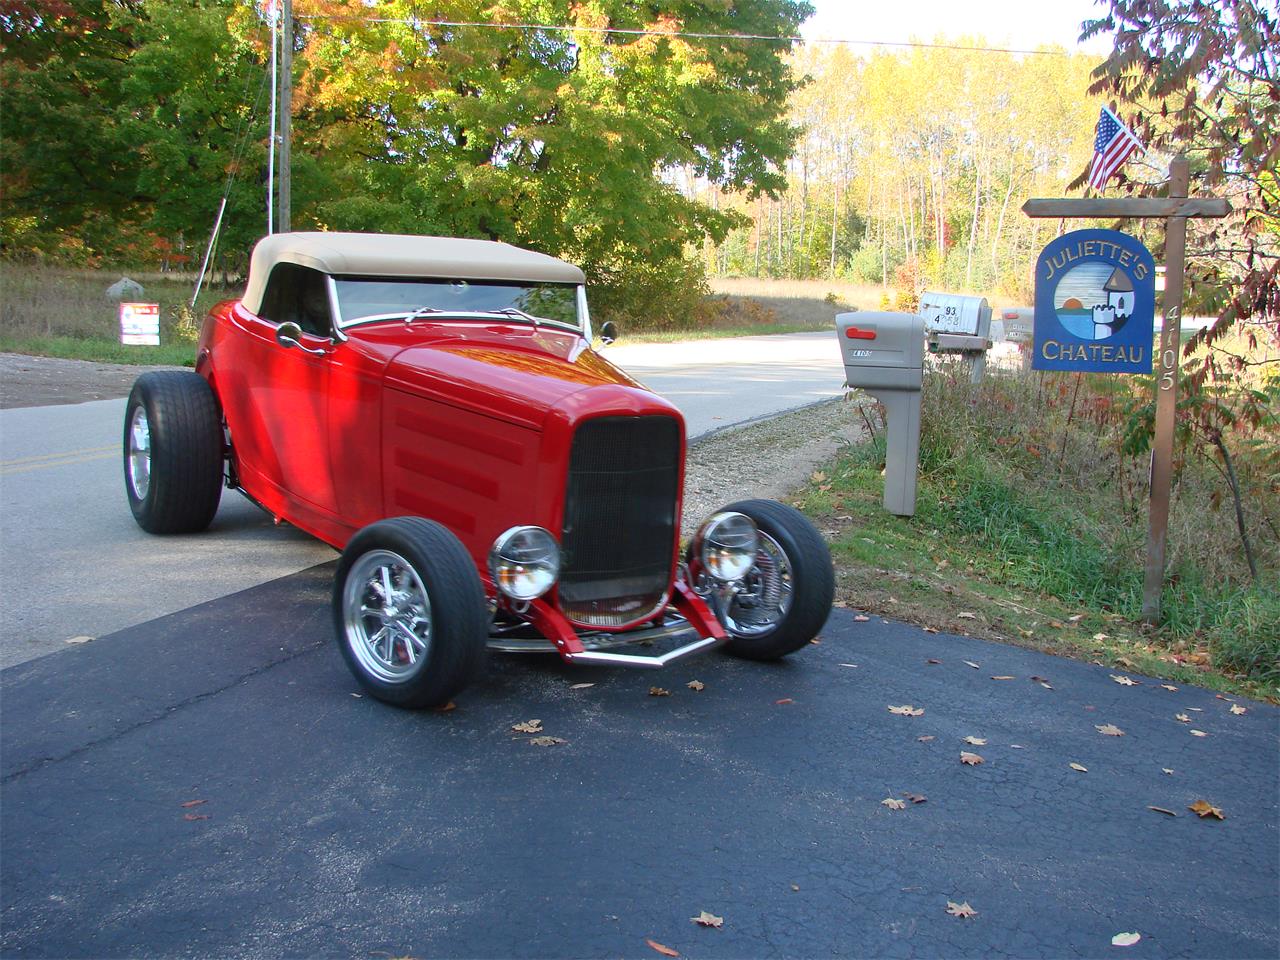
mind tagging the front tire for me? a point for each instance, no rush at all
(787, 596)
(409, 612)
(173, 452)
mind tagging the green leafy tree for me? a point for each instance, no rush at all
(568, 141)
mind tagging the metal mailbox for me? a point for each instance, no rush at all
(883, 354)
(958, 324)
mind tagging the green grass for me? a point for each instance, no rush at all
(1029, 542)
(101, 351)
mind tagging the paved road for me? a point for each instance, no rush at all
(73, 563)
(324, 824)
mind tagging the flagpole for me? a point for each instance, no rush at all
(271, 137)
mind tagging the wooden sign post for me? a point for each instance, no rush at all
(1175, 208)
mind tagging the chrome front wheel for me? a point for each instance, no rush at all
(409, 612)
(387, 616)
(763, 598)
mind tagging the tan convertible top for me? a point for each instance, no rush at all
(390, 255)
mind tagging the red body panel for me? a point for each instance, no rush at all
(470, 424)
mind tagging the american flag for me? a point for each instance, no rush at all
(1113, 145)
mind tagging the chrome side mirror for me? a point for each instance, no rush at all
(608, 332)
(287, 335)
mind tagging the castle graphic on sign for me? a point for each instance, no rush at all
(1095, 302)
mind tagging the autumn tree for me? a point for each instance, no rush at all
(1203, 79)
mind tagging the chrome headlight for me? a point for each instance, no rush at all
(524, 562)
(726, 546)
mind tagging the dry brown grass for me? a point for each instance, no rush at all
(807, 304)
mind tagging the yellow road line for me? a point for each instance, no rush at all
(58, 456)
(66, 462)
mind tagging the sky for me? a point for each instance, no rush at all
(1021, 24)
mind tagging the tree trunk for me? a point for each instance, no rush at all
(1235, 495)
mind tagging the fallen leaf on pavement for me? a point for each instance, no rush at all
(659, 692)
(581, 686)
(1182, 716)
(972, 664)
(961, 910)
(195, 816)
(447, 707)
(1218, 696)
(975, 741)
(795, 887)
(1162, 810)
(1198, 733)
(546, 741)
(358, 696)
(194, 803)
(816, 640)
(783, 701)
(932, 661)
(1125, 939)
(930, 629)
(907, 710)
(916, 797)
(854, 665)
(664, 950)
(80, 639)
(966, 615)
(893, 804)
(1237, 709)
(1004, 678)
(861, 618)
(1124, 681)
(1079, 767)
(924, 739)
(1109, 729)
(970, 758)
(696, 685)
(1166, 770)
(529, 726)
(1169, 686)
(705, 919)
(1205, 809)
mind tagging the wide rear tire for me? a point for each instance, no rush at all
(173, 452)
(789, 592)
(409, 611)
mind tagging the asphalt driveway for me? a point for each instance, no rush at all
(208, 784)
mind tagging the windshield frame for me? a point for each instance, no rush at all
(342, 324)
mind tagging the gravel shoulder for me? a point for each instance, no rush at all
(49, 381)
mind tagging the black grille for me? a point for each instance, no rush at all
(619, 519)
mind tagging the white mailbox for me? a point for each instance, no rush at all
(958, 324)
(883, 354)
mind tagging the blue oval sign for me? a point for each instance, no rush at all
(1095, 304)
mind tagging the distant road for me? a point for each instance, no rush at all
(73, 563)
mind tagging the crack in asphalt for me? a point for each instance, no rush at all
(168, 711)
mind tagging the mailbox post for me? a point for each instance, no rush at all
(883, 354)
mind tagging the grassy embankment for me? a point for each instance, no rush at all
(1031, 527)
(46, 311)
(54, 312)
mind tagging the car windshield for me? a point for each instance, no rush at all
(365, 299)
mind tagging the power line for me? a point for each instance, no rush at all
(415, 23)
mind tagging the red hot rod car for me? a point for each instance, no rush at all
(433, 408)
